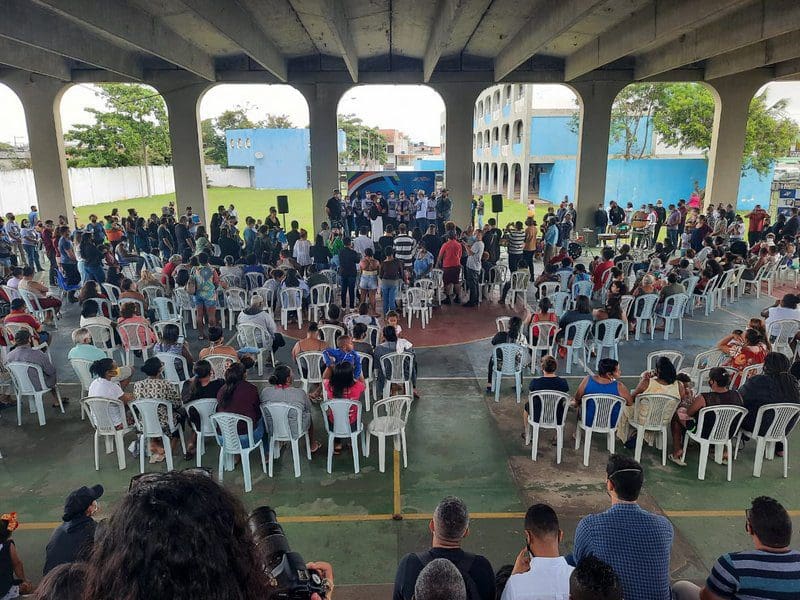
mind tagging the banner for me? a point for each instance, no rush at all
(360, 182)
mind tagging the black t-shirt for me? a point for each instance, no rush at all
(292, 237)
(348, 259)
(410, 566)
(334, 206)
(432, 244)
(229, 247)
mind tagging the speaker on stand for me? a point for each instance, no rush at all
(283, 208)
(497, 207)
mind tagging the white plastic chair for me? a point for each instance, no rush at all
(675, 357)
(607, 409)
(785, 272)
(519, 286)
(563, 279)
(184, 303)
(416, 302)
(690, 283)
(145, 415)
(254, 280)
(544, 342)
(783, 331)
(13, 328)
(82, 371)
(171, 374)
(112, 291)
(235, 301)
(708, 295)
(231, 281)
(132, 340)
(24, 386)
(784, 418)
(283, 431)
(204, 407)
(672, 312)
(552, 403)
(219, 364)
(151, 292)
(502, 323)
(11, 293)
(391, 424)
(102, 413)
(701, 378)
(579, 332)
(661, 407)
(727, 421)
(103, 306)
(397, 368)
(508, 360)
(704, 360)
(226, 424)
(139, 303)
(582, 288)
(438, 279)
(331, 333)
(267, 294)
(253, 335)
(160, 326)
(746, 373)
(36, 309)
(644, 312)
(548, 288)
(103, 338)
(320, 297)
(340, 427)
(292, 301)
(166, 309)
(607, 335)
(734, 283)
(561, 303)
(498, 275)
(368, 372)
(755, 282)
(310, 366)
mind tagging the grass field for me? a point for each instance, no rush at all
(255, 203)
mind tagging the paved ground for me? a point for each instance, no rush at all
(461, 443)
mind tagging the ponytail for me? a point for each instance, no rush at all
(280, 376)
(234, 375)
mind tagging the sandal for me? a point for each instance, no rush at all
(315, 447)
(677, 460)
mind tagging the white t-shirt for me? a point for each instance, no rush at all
(780, 313)
(422, 208)
(107, 389)
(547, 579)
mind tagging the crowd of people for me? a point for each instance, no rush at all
(374, 248)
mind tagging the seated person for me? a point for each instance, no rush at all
(607, 381)
(106, 384)
(239, 396)
(217, 345)
(549, 381)
(280, 390)
(256, 315)
(22, 351)
(85, 349)
(344, 352)
(20, 314)
(344, 384)
(41, 291)
(15, 279)
(171, 343)
(129, 315)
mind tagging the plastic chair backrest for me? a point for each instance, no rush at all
(183, 299)
(783, 330)
(81, 368)
(166, 310)
(292, 298)
(134, 333)
(313, 364)
(232, 281)
(520, 280)
(502, 323)
(145, 414)
(550, 401)
(331, 333)
(625, 304)
(661, 407)
(11, 293)
(227, 427)
(396, 407)
(254, 279)
(416, 297)
(13, 328)
(676, 358)
(711, 286)
(340, 411)
(235, 298)
(604, 412)
(279, 413)
(625, 266)
(366, 365)
(690, 283)
(139, 303)
(219, 364)
(112, 291)
(747, 373)
(425, 283)
(580, 332)
(644, 306)
(674, 306)
(21, 375)
(101, 334)
(204, 407)
(726, 422)
(373, 334)
(708, 359)
(171, 374)
(151, 292)
(560, 302)
(582, 288)
(31, 301)
(498, 274)
(547, 333)
(330, 275)
(253, 335)
(509, 358)
(548, 288)
(100, 413)
(784, 419)
(563, 279)
(397, 366)
(321, 294)
(608, 332)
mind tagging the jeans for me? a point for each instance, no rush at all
(388, 294)
(51, 258)
(95, 272)
(527, 259)
(599, 230)
(480, 221)
(33, 256)
(672, 237)
(349, 287)
(422, 224)
(513, 261)
(473, 279)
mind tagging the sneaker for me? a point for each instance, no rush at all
(134, 448)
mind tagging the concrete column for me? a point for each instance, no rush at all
(323, 101)
(592, 160)
(188, 160)
(733, 95)
(510, 186)
(41, 97)
(523, 181)
(459, 100)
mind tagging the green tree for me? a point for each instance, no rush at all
(213, 131)
(133, 130)
(363, 143)
(278, 122)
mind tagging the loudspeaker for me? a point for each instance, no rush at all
(497, 203)
(283, 205)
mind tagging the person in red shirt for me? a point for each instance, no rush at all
(49, 244)
(758, 220)
(18, 314)
(604, 264)
(449, 260)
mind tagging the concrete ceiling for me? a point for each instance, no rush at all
(401, 41)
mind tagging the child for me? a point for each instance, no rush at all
(11, 568)
(686, 242)
(393, 320)
(543, 314)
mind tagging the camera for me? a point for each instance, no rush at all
(286, 570)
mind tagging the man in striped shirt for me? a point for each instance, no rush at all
(515, 238)
(404, 246)
(770, 572)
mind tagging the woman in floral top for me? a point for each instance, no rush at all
(155, 387)
(205, 281)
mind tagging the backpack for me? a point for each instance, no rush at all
(463, 566)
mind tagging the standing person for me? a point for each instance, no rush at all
(616, 214)
(758, 220)
(72, 541)
(13, 233)
(368, 283)
(661, 217)
(540, 572)
(333, 208)
(481, 207)
(600, 222)
(673, 223)
(49, 241)
(348, 261)
(473, 267)
(565, 230)
(491, 240)
(69, 262)
(391, 274)
(30, 243)
(529, 249)
(391, 212)
(449, 260)
(684, 211)
(377, 210)
(184, 244)
(444, 209)
(302, 252)
(634, 542)
(550, 241)
(203, 284)
(515, 238)
(433, 201)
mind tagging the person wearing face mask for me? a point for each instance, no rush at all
(420, 210)
(72, 541)
(104, 385)
(22, 351)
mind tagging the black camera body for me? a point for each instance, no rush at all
(286, 570)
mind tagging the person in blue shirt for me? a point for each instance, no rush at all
(33, 216)
(550, 240)
(344, 352)
(634, 542)
(423, 262)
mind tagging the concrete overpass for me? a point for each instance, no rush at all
(458, 47)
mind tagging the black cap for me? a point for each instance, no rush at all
(79, 500)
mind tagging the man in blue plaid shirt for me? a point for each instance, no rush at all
(636, 543)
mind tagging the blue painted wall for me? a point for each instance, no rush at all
(429, 164)
(551, 136)
(280, 157)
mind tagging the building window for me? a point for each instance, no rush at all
(246, 142)
(390, 148)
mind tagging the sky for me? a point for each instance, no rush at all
(414, 109)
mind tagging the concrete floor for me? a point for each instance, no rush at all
(460, 442)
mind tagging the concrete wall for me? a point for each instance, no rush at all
(551, 136)
(645, 180)
(96, 185)
(279, 157)
(429, 164)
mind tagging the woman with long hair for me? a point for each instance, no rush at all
(752, 351)
(280, 390)
(662, 380)
(607, 381)
(237, 395)
(510, 336)
(343, 384)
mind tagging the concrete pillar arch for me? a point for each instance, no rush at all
(41, 97)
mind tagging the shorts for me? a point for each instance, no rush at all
(207, 302)
(368, 282)
(450, 275)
